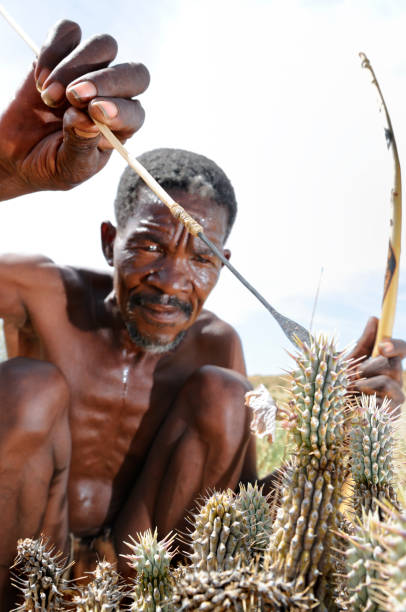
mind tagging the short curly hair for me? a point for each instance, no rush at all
(176, 168)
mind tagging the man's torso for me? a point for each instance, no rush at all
(119, 398)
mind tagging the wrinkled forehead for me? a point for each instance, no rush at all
(151, 213)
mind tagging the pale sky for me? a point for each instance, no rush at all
(274, 92)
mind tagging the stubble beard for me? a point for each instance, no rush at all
(149, 344)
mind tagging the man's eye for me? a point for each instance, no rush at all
(202, 259)
(150, 248)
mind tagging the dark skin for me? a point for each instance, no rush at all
(50, 142)
(382, 374)
(99, 431)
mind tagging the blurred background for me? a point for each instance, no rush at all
(274, 92)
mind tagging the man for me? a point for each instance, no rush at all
(125, 401)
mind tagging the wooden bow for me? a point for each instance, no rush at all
(391, 282)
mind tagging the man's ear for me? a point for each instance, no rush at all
(227, 255)
(108, 235)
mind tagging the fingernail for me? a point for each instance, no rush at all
(83, 91)
(53, 94)
(43, 75)
(83, 134)
(107, 110)
(387, 347)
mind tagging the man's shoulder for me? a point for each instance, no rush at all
(33, 266)
(209, 325)
(30, 272)
(86, 278)
(217, 342)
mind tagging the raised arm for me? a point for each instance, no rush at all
(47, 140)
(27, 284)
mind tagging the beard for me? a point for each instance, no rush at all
(148, 343)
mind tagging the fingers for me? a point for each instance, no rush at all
(393, 348)
(79, 155)
(120, 81)
(123, 117)
(383, 386)
(391, 367)
(89, 56)
(62, 39)
(365, 344)
(76, 80)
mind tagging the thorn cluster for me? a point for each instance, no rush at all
(43, 586)
(302, 539)
(151, 559)
(103, 593)
(372, 449)
(219, 536)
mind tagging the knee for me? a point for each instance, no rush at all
(33, 395)
(215, 399)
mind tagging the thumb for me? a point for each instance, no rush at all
(365, 344)
(79, 156)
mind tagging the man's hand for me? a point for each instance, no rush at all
(47, 140)
(382, 374)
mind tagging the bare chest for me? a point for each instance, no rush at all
(117, 406)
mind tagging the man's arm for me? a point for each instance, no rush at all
(24, 280)
(47, 140)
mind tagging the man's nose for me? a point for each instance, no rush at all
(172, 275)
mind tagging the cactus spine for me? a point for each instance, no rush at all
(44, 587)
(257, 514)
(364, 555)
(103, 593)
(392, 592)
(151, 559)
(372, 448)
(242, 589)
(218, 539)
(302, 540)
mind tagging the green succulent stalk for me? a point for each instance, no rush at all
(153, 585)
(391, 593)
(364, 556)
(103, 593)
(219, 536)
(42, 580)
(258, 520)
(302, 540)
(372, 448)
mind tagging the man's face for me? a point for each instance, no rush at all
(163, 274)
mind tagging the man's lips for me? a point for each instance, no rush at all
(161, 307)
(164, 316)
